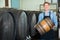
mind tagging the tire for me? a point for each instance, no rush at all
(7, 26)
(22, 26)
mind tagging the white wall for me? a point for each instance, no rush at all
(30, 4)
(9, 3)
(2, 3)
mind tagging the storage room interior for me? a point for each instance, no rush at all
(18, 18)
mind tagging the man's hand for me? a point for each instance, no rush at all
(54, 28)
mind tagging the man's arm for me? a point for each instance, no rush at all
(40, 17)
(55, 21)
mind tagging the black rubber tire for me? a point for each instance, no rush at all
(7, 24)
(22, 26)
(31, 22)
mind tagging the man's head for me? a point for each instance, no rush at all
(46, 6)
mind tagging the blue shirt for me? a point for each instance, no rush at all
(52, 16)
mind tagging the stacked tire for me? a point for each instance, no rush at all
(6, 26)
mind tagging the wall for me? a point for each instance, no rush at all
(9, 3)
(2, 3)
(15, 4)
(31, 4)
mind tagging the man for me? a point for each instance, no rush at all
(48, 13)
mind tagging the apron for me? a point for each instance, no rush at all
(49, 35)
